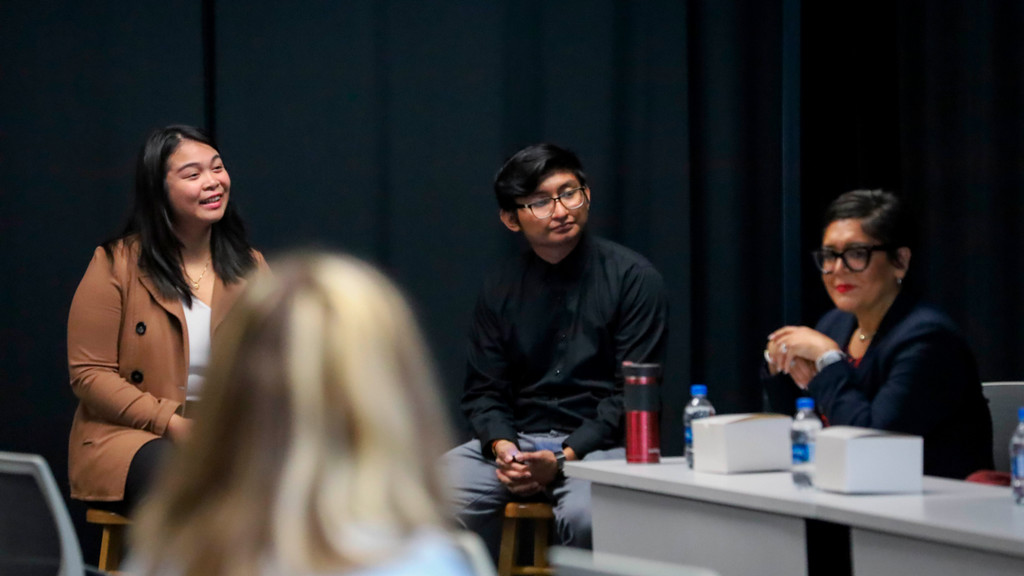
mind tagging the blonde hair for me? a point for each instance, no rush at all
(320, 419)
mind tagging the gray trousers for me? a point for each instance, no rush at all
(480, 498)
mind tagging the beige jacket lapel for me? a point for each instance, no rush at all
(173, 307)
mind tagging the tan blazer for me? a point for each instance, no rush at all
(128, 361)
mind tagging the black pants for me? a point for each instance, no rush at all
(141, 474)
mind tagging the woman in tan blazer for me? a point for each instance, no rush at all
(180, 262)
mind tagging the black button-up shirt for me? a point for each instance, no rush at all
(548, 340)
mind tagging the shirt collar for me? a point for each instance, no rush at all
(573, 264)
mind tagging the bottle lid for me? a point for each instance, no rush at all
(637, 369)
(699, 390)
(805, 403)
(1020, 414)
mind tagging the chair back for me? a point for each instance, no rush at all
(473, 548)
(577, 562)
(36, 534)
(1003, 400)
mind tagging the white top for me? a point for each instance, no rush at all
(197, 320)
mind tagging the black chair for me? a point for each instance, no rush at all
(36, 534)
(1003, 400)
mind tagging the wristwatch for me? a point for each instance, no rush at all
(560, 460)
(829, 357)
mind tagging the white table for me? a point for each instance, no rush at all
(752, 524)
(952, 528)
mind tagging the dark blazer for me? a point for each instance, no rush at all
(918, 377)
(128, 362)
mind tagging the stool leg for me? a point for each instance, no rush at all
(104, 550)
(110, 548)
(540, 543)
(509, 546)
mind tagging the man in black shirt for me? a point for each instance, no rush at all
(550, 332)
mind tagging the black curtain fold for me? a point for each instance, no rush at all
(80, 87)
(925, 99)
(961, 101)
(735, 78)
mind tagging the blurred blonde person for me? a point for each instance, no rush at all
(320, 453)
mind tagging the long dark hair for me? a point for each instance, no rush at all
(152, 220)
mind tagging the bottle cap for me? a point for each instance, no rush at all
(639, 370)
(1020, 414)
(699, 390)
(805, 403)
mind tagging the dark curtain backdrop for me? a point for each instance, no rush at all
(962, 161)
(381, 131)
(375, 127)
(80, 86)
(927, 98)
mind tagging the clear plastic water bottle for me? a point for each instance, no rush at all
(804, 433)
(697, 408)
(1017, 459)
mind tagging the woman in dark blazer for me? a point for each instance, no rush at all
(882, 359)
(133, 361)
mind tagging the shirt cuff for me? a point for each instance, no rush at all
(487, 441)
(165, 410)
(587, 438)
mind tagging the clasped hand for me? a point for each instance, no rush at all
(793, 349)
(179, 428)
(524, 473)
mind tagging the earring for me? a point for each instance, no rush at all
(899, 281)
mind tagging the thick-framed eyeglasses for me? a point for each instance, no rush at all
(855, 258)
(570, 200)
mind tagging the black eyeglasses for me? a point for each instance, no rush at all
(570, 199)
(855, 258)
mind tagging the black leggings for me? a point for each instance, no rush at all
(141, 474)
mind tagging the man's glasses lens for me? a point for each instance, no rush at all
(570, 199)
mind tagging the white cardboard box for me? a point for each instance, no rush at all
(742, 443)
(863, 460)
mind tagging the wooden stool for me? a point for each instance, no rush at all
(542, 515)
(112, 545)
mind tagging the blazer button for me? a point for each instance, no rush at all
(140, 328)
(137, 376)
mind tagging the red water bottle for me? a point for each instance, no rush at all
(642, 404)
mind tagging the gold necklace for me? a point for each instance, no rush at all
(195, 283)
(864, 337)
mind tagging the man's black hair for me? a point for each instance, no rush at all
(526, 169)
